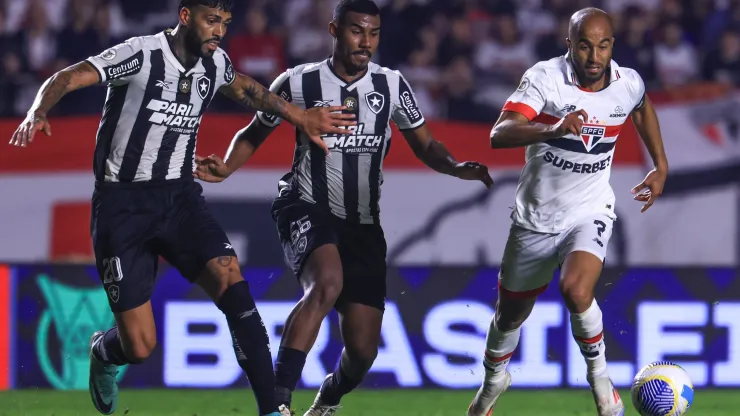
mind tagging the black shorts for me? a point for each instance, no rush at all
(303, 227)
(133, 224)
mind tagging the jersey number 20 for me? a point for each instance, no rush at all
(112, 270)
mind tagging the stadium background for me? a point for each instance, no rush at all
(670, 291)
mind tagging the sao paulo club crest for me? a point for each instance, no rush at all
(592, 133)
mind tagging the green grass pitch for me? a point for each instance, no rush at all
(358, 403)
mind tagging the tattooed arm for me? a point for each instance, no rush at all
(252, 94)
(314, 122)
(73, 78)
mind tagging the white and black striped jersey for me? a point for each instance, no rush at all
(153, 109)
(348, 181)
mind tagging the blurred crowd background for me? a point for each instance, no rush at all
(462, 57)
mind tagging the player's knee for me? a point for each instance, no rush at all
(139, 348)
(512, 312)
(577, 292)
(325, 290)
(220, 274)
(362, 356)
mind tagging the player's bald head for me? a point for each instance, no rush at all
(589, 20)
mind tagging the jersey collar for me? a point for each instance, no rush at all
(170, 56)
(572, 78)
(329, 70)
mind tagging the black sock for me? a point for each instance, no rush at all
(288, 369)
(109, 349)
(339, 385)
(251, 343)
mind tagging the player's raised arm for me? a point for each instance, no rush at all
(73, 78)
(116, 65)
(646, 122)
(314, 122)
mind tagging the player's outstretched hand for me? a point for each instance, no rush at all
(650, 188)
(325, 120)
(571, 123)
(30, 126)
(474, 171)
(210, 169)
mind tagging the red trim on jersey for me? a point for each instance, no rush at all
(527, 294)
(520, 108)
(544, 118)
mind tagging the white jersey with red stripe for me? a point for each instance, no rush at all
(567, 178)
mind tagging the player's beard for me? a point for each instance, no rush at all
(195, 45)
(356, 67)
(585, 76)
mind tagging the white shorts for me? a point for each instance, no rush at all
(531, 257)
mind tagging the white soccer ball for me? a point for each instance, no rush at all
(662, 389)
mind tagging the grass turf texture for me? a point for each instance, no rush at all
(358, 403)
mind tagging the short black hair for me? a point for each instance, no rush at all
(224, 5)
(356, 6)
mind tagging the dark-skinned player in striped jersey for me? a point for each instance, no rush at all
(146, 204)
(327, 208)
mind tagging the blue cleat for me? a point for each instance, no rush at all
(103, 382)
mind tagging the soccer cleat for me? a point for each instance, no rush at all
(319, 408)
(103, 384)
(284, 411)
(487, 396)
(608, 401)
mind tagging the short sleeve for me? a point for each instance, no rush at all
(531, 96)
(228, 70)
(281, 87)
(406, 112)
(120, 62)
(636, 88)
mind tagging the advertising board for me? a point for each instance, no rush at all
(433, 334)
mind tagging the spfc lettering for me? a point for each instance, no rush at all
(590, 135)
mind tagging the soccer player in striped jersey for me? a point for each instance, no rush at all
(568, 113)
(327, 211)
(146, 202)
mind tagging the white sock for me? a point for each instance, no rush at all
(588, 331)
(500, 347)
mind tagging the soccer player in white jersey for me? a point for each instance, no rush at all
(567, 112)
(146, 203)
